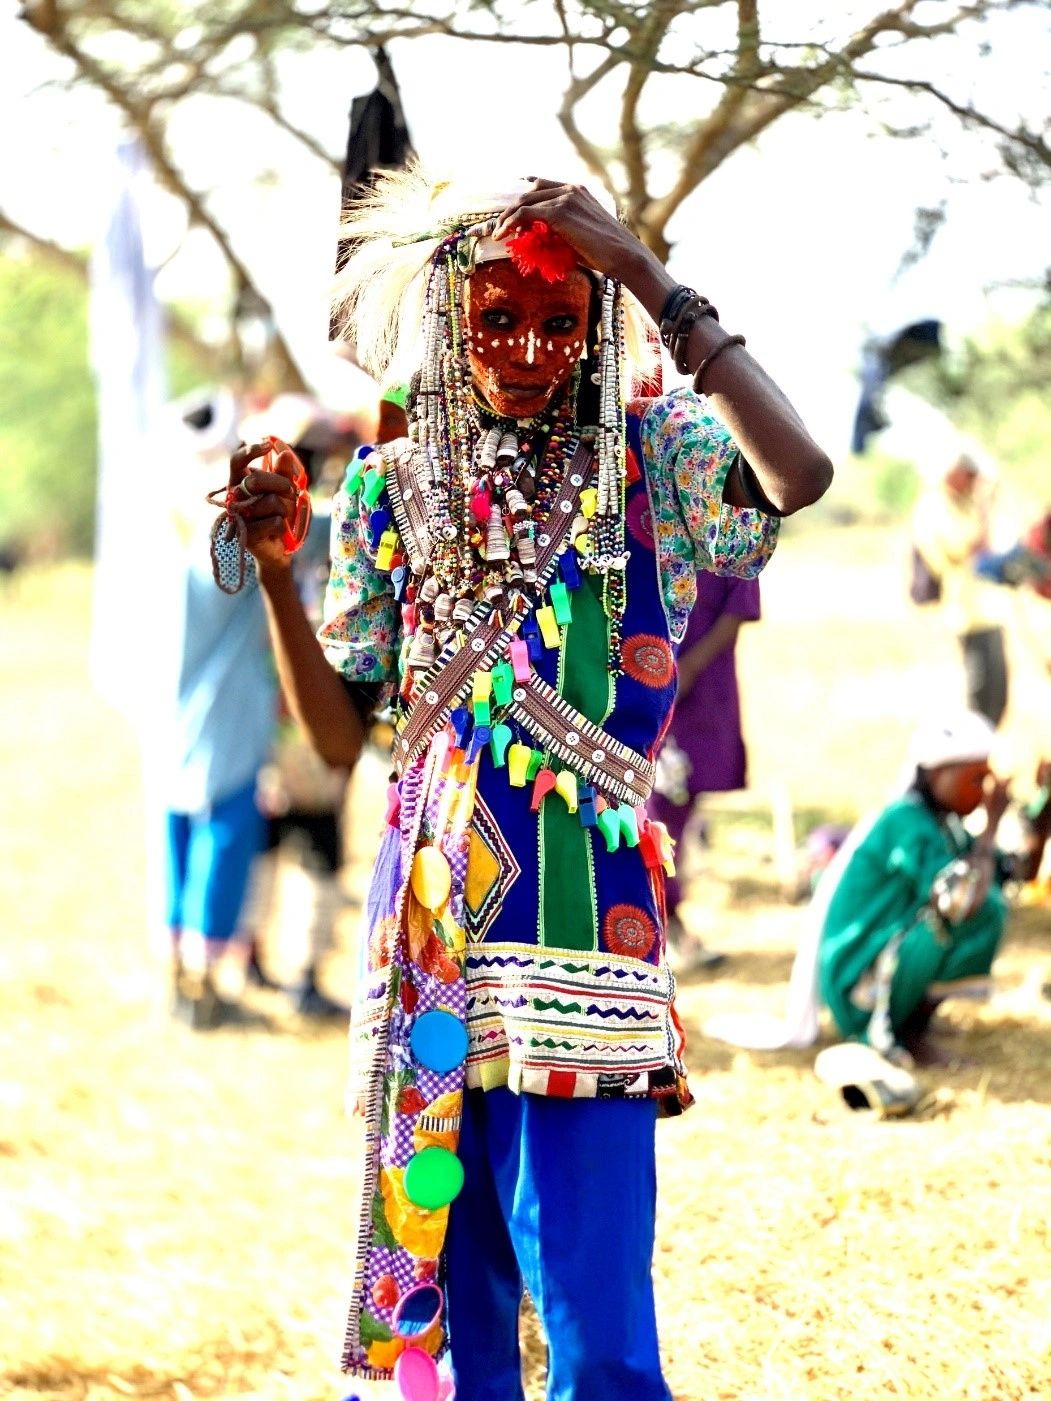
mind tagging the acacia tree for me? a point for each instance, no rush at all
(743, 71)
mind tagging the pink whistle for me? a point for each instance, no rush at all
(543, 784)
(520, 659)
(393, 805)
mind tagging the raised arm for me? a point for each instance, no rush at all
(313, 691)
(790, 470)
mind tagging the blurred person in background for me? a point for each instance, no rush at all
(950, 536)
(913, 906)
(704, 749)
(207, 730)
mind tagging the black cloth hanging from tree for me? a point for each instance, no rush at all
(378, 136)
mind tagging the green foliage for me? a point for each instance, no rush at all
(48, 424)
(47, 405)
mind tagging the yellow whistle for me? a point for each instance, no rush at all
(482, 686)
(589, 501)
(566, 787)
(545, 618)
(666, 847)
(518, 757)
(388, 544)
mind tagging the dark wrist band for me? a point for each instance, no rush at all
(752, 491)
(683, 307)
(698, 374)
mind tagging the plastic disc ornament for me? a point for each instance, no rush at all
(418, 1311)
(416, 1375)
(431, 877)
(433, 1178)
(439, 1041)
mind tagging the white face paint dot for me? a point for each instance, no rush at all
(510, 340)
(565, 351)
(494, 344)
(550, 346)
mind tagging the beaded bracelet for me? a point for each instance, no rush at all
(698, 374)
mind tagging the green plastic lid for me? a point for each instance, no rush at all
(433, 1178)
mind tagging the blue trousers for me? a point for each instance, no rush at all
(209, 856)
(559, 1195)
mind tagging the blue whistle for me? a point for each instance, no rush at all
(460, 720)
(378, 522)
(586, 806)
(567, 567)
(399, 577)
(479, 739)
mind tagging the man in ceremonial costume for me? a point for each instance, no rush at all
(513, 579)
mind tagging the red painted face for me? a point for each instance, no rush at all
(525, 335)
(958, 787)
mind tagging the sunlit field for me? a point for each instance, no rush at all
(176, 1209)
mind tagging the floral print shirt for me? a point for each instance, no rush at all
(687, 453)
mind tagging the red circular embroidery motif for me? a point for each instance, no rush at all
(648, 659)
(628, 931)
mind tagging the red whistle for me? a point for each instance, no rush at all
(543, 784)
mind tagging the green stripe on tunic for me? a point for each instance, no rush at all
(568, 917)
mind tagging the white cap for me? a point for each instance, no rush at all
(965, 738)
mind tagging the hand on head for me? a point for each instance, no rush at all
(597, 237)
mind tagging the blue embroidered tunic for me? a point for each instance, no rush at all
(565, 984)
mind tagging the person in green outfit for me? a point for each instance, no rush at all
(919, 909)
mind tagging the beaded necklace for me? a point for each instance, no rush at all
(489, 481)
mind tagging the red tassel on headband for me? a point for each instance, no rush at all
(540, 249)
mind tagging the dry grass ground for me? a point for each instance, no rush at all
(175, 1210)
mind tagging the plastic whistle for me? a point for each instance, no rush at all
(648, 848)
(399, 578)
(503, 682)
(559, 596)
(536, 763)
(588, 502)
(356, 469)
(385, 553)
(542, 785)
(567, 567)
(393, 805)
(481, 686)
(479, 739)
(566, 788)
(520, 660)
(517, 764)
(586, 805)
(372, 485)
(482, 712)
(531, 632)
(629, 824)
(378, 523)
(499, 738)
(460, 719)
(548, 626)
(666, 847)
(609, 825)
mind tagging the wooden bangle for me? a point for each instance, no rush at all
(698, 374)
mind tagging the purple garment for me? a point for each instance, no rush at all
(706, 725)
(707, 720)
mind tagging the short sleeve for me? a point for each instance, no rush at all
(361, 628)
(687, 453)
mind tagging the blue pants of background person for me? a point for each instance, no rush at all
(209, 857)
(559, 1194)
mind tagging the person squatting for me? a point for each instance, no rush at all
(514, 578)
